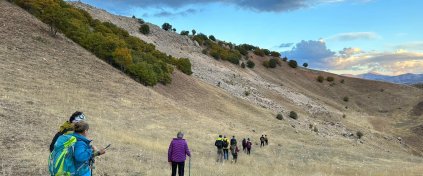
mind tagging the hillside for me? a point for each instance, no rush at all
(408, 78)
(45, 79)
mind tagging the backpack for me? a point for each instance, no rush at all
(225, 143)
(219, 144)
(61, 160)
(233, 141)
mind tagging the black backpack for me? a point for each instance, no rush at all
(219, 144)
(233, 141)
(225, 143)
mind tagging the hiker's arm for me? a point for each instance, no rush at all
(169, 152)
(187, 150)
(83, 152)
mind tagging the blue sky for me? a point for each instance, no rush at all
(340, 36)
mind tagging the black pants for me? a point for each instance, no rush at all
(248, 151)
(179, 165)
(262, 144)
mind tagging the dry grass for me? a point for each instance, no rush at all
(45, 79)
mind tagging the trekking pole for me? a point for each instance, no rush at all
(189, 167)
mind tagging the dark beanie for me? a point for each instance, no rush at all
(74, 115)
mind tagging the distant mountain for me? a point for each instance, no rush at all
(408, 78)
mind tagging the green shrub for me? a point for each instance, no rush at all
(342, 81)
(174, 29)
(145, 29)
(359, 134)
(305, 65)
(193, 32)
(200, 38)
(272, 63)
(275, 54)
(184, 32)
(259, 52)
(167, 26)
(315, 129)
(330, 79)
(215, 55)
(320, 79)
(293, 115)
(211, 37)
(184, 65)
(266, 63)
(266, 52)
(346, 99)
(279, 116)
(242, 65)
(285, 59)
(141, 21)
(293, 64)
(344, 116)
(250, 64)
(133, 16)
(246, 93)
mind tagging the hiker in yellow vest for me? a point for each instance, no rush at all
(225, 148)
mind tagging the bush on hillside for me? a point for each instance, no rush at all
(305, 65)
(273, 63)
(184, 65)
(346, 99)
(275, 54)
(360, 134)
(107, 41)
(330, 79)
(259, 52)
(266, 63)
(279, 116)
(145, 29)
(247, 93)
(284, 59)
(141, 21)
(293, 64)
(266, 52)
(174, 29)
(342, 81)
(320, 79)
(242, 65)
(250, 64)
(193, 32)
(166, 26)
(211, 37)
(184, 32)
(293, 115)
(200, 38)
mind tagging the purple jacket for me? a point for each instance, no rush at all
(178, 149)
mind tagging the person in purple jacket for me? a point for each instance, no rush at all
(177, 154)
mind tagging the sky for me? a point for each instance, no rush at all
(339, 36)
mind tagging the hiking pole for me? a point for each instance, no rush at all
(189, 167)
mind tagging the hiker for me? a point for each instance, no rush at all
(262, 141)
(233, 141)
(249, 145)
(219, 146)
(266, 140)
(225, 148)
(67, 127)
(244, 145)
(234, 149)
(177, 154)
(84, 153)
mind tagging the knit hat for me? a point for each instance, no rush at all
(77, 117)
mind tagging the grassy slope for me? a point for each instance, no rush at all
(45, 79)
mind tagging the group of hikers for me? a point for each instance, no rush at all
(71, 152)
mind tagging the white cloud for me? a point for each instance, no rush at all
(354, 36)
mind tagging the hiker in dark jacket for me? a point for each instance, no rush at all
(177, 154)
(262, 141)
(266, 140)
(67, 127)
(219, 145)
(244, 145)
(234, 151)
(84, 152)
(249, 145)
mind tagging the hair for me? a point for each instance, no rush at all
(180, 135)
(75, 114)
(233, 136)
(220, 135)
(80, 127)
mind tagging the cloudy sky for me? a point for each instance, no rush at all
(340, 36)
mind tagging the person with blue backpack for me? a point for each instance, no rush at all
(67, 127)
(72, 154)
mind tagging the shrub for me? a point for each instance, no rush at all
(166, 26)
(184, 65)
(279, 116)
(193, 32)
(141, 21)
(330, 79)
(122, 57)
(293, 115)
(266, 52)
(346, 99)
(285, 59)
(145, 29)
(272, 63)
(211, 37)
(342, 81)
(315, 129)
(174, 29)
(320, 79)
(359, 134)
(246, 93)
(250, 64)
(133, 16)
(215, 55)
(242, 65)
(184, 32)
(201, 38)
(259, 52)
(293, 63)
(344, 116)
(204, 51)
(305, 65)
(266, 63)
(275, 54)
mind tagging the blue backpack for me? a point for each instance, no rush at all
(61, 160)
